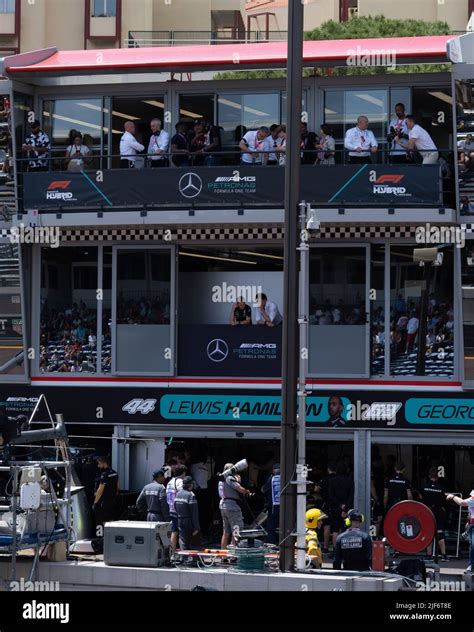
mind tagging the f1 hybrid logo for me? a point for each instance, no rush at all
(386, 184)
(190, 185)
(57, 190)
(387, 178)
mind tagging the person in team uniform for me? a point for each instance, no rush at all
(174, 486)
(397, 488)
(188, 513)
(433, 495)
(241, 313)
(256, 146)
(106, 494)
(152, 499)
(360, 142)
(353, 550)
(271, 491)
(340, 498)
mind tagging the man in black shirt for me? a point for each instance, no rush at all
(180, 146)
(106, 494)
(309, 140)
(433, 495)
(353, 547)
(196, 143)
(397, 488)
(241, 313)
(212, 144)
(340, 499)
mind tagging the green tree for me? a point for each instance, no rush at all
(359, 28)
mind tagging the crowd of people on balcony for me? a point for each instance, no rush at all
(337, 313)
(200, 144)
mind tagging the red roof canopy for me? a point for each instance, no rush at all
(236, 56)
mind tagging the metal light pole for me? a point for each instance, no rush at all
(290, 343)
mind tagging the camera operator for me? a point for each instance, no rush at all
(230, 492)
(397, 127)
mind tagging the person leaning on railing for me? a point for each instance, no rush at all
(420, 140)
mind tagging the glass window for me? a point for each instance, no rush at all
(406, 296)
(377, 309)
(342, 107)
(11, 321)
(104, 9)
(144, 309)
(62, 118)
(249, 111)
(7, 6)
(337, 311)
(465, 144)
(68, 327)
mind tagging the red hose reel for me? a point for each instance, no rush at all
(409, 526)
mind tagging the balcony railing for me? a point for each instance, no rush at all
(139, 39)
(221, 181)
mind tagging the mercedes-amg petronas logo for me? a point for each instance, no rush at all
(217, 350)
(190, 185)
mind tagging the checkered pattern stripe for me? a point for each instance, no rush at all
(227, 233)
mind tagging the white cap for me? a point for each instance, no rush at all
(472, 493)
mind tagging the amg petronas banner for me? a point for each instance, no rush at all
(359, 185)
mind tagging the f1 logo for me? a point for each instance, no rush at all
(393, 179)
(59, 184)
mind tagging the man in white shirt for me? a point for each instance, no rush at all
(361, 142)
(129, 146)
(256, 147)
(469, 503)
(412, 330)
(267, 312)
(158, 145)
(397, 127)
(419, 140)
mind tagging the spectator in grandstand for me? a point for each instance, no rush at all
(36, 147)
(466, 148)
(241, 313)
(256, 147)
(360, 142)
(267, 312)
(419, 140)
(129, 146)
(326, 147)
(77, 154)
(412, 330)
(158, 145)
(309, 142)
(180, 146)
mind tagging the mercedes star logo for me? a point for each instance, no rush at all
(217, 350)
(190, 185)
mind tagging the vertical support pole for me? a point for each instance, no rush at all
(301, 469)
(290, 344)
(362, 468)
